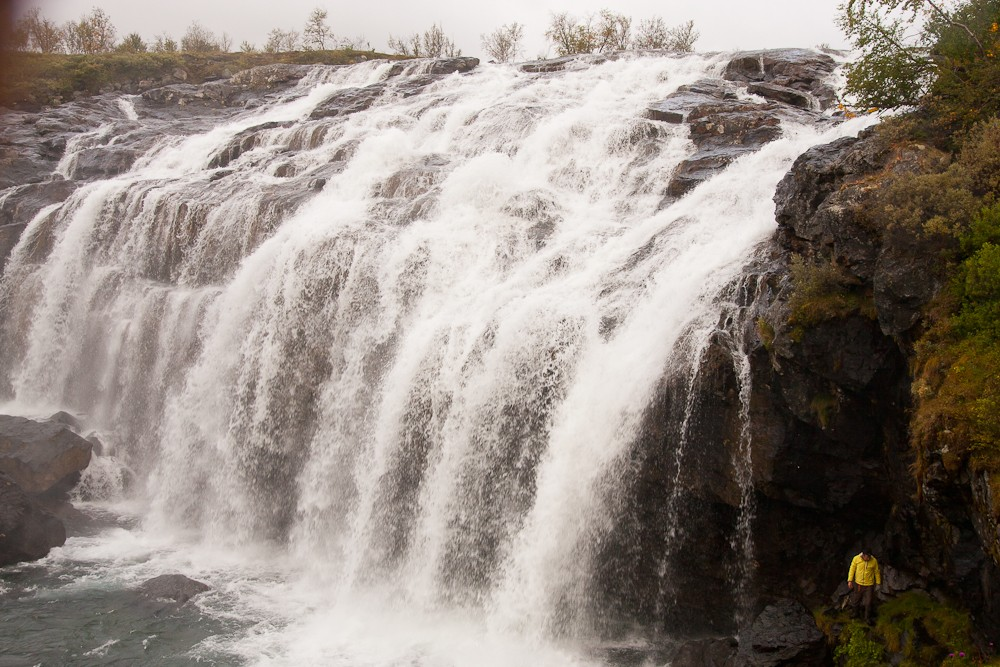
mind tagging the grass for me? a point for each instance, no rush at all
(34, 80)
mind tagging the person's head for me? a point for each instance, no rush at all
(866, 554)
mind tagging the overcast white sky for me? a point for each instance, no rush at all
(723, 24)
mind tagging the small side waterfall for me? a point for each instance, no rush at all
(411, 340)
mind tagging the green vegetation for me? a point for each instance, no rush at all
(957, 361)
(911, 630)
(944, 57)
(856, 648)
(822, 292)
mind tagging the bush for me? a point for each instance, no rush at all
(856, 648)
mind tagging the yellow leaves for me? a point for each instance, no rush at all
(995, 27)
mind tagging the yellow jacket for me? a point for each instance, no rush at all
(864, 572)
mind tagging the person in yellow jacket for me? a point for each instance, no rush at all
(862, 579)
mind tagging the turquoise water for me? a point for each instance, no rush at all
(79, 606)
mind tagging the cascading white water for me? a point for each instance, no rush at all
(420, 378)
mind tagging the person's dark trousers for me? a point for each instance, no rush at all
(862, 596)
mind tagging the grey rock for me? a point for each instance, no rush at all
(782, 94)
(783, 635)
(27, 530)
(434, 66)
(802, 70)
(174, 587)
(244, 141)
(66, 419)
(562, 63)
(23, 203)
(348, 101)
(41, 457)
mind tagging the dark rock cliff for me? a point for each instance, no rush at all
(827, 419)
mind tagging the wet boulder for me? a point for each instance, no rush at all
(41, 457)
(784, 634)
(705, 653)
(173, 587)
(212, 95)
(27, 530)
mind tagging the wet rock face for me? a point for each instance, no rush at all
(828, 429)
(794, 76)
(783, 634)
(21, 204)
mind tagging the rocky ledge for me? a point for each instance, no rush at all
(739, 114)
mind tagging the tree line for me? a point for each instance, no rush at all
(605, 31)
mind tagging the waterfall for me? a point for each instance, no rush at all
(411, 345)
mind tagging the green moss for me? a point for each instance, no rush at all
(766, 333)
(923, 630)
(911, 630)
(825, 291)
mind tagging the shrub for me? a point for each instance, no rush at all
(946, 58)
(856, 648)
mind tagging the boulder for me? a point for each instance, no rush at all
(705, 653)
(41, 457)
(174, 587)
(212, 95)
(698, 99)
(784, 634)
(66, 419)
(27, 530)
(99, 162)
(563, 63)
